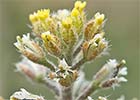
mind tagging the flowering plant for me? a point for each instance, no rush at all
(70, 39)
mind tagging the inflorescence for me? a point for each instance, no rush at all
(70, 38)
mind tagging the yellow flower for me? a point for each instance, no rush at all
(75, 12)
(78, 8)
(43, 14)
(80, 5)
(52, 43)
(33, 17)
(40, 15)
(99, 18)
(67, 22)
(47, 36)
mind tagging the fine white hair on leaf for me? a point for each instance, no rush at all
(35, 68)
(123, 71)
(122, 79)
(63, 63)
(61, 14)
(118, 81)
(110, 66)
(24, 95)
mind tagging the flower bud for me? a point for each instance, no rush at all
(41, 15)
(67, 23)
(80, 5)
(94, 47)
(89, 30)
(99, 18)
(51, 43)
(42, 22)
(66, 81)
(69, 37)
(33, 18)
(65, 75)
(78, 16)
(52, 75)
(94, 26)
(31, 70)
(75, 12)
(29, 48)
(110, 74)
(106, 71)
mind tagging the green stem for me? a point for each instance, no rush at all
(69, 56)
(77, 51)
(52, 86)
(66, 93)
(46, 63)
(79, 64)
(93, 86)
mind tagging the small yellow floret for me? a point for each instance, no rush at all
(13, 98)
(67, 22)
(43, 14)
(99, 18)
(75, 12)
(32, 18)
(123, 61)
(80, 5)
(19, 39)
(46, 36)
(40, 15)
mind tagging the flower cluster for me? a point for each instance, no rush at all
(111, 74)
(70, 38)
(29, 48)
(64, 75)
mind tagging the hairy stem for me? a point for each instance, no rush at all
(77, 51)
(79, 45)
(69, 56)
(66, 93)
(78, 65)
(47, 64)
(52, 86)
(93, 86)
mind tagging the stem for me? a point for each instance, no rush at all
(79, 45)
(77, 51)
(50, 65)
(66, 93)
(47, 64)
(93, 86)
(69, 56)
(52, 86)
(78, 65)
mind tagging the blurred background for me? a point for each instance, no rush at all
(121, 30)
